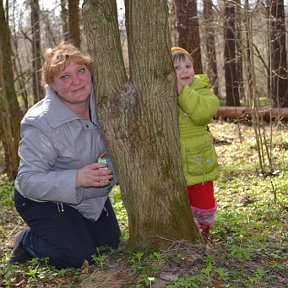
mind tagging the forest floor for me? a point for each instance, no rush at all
(248, 245)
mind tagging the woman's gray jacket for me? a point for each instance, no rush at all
(55, 144)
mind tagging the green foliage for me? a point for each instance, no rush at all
(6, 191)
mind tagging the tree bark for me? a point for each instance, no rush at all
(11, 157)
(139, 118)
(188, 30)
(232, 93)
(210, 46)
(74, 22)
(278, 57)
(36, 51)
(8, 79)
(64, 18)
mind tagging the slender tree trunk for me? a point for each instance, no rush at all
(64, 18)
(36, 51)
(11, 157)
(13, 106)
(239, 52)
(278, 57)
(232, 92)
(188, 30)
(210, 45)
(74, 22)
(139, 118)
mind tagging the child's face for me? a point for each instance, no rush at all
(184, 72)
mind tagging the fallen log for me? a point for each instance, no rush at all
(245, 113)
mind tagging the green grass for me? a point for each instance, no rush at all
(249, 241)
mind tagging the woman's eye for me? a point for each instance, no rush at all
(176, 67)
(64, 77)
(82, 70)
(188, 66)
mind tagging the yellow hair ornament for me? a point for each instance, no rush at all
(179, 49)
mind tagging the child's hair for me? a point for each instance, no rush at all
(58, 58)
(178, 54)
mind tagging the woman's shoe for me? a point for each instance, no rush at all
(19, 255)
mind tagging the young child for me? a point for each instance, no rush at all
(197, 104)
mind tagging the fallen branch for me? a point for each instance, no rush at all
(267, 114)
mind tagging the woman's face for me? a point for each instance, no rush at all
(73, 84)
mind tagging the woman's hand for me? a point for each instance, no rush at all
(93, 176)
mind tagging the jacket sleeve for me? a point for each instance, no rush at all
(36, 179)
(198, 101)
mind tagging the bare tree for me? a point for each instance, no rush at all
(238, 47)
(279, 85)
(232, 91)
(6, 135)
(210, 45)
(188, 30)
(138, 116)
(74, 22)
(8, 79)
(36, 51)
(65, 18)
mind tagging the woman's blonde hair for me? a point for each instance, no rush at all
(56, 59)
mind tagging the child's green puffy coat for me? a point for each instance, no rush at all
(197, 104)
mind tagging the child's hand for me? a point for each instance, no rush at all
(181, 83)
(179, 87)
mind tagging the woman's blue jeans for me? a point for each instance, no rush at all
(64, 235)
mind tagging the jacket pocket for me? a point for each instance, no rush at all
(201, 162)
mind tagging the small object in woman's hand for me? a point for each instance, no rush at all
(103, 160)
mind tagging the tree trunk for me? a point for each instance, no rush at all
(239, 48)
(139, 118)
(210, 46)
(64, 18)
(278, 57)
(232, 93)
(36, 51)
(11, 157)
(13, 106)
(188, 30)
(74, 22)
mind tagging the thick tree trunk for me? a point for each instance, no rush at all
(139, 118)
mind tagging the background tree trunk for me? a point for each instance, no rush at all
(74, 25)
(139, 118)
(278, 57)
(239, 49)
(11, 157)
(232, 92)
(7, 69)
(188, 30)
(210, 45)
(64, 18)
(36, 51)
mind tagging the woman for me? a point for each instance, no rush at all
(61, 191)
